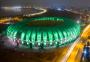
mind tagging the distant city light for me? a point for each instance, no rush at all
(59, 9)
(14, 8)
(43, 11)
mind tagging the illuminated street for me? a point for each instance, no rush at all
(44, 31)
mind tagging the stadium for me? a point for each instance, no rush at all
(44, 32)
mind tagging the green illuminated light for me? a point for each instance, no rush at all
(50, 36)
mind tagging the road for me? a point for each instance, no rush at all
(75, 55)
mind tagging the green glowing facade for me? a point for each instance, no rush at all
(44, 32)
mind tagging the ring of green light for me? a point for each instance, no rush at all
(37, 36)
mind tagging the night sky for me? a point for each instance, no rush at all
(46, 3)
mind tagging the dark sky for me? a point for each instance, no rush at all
(47, 3)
